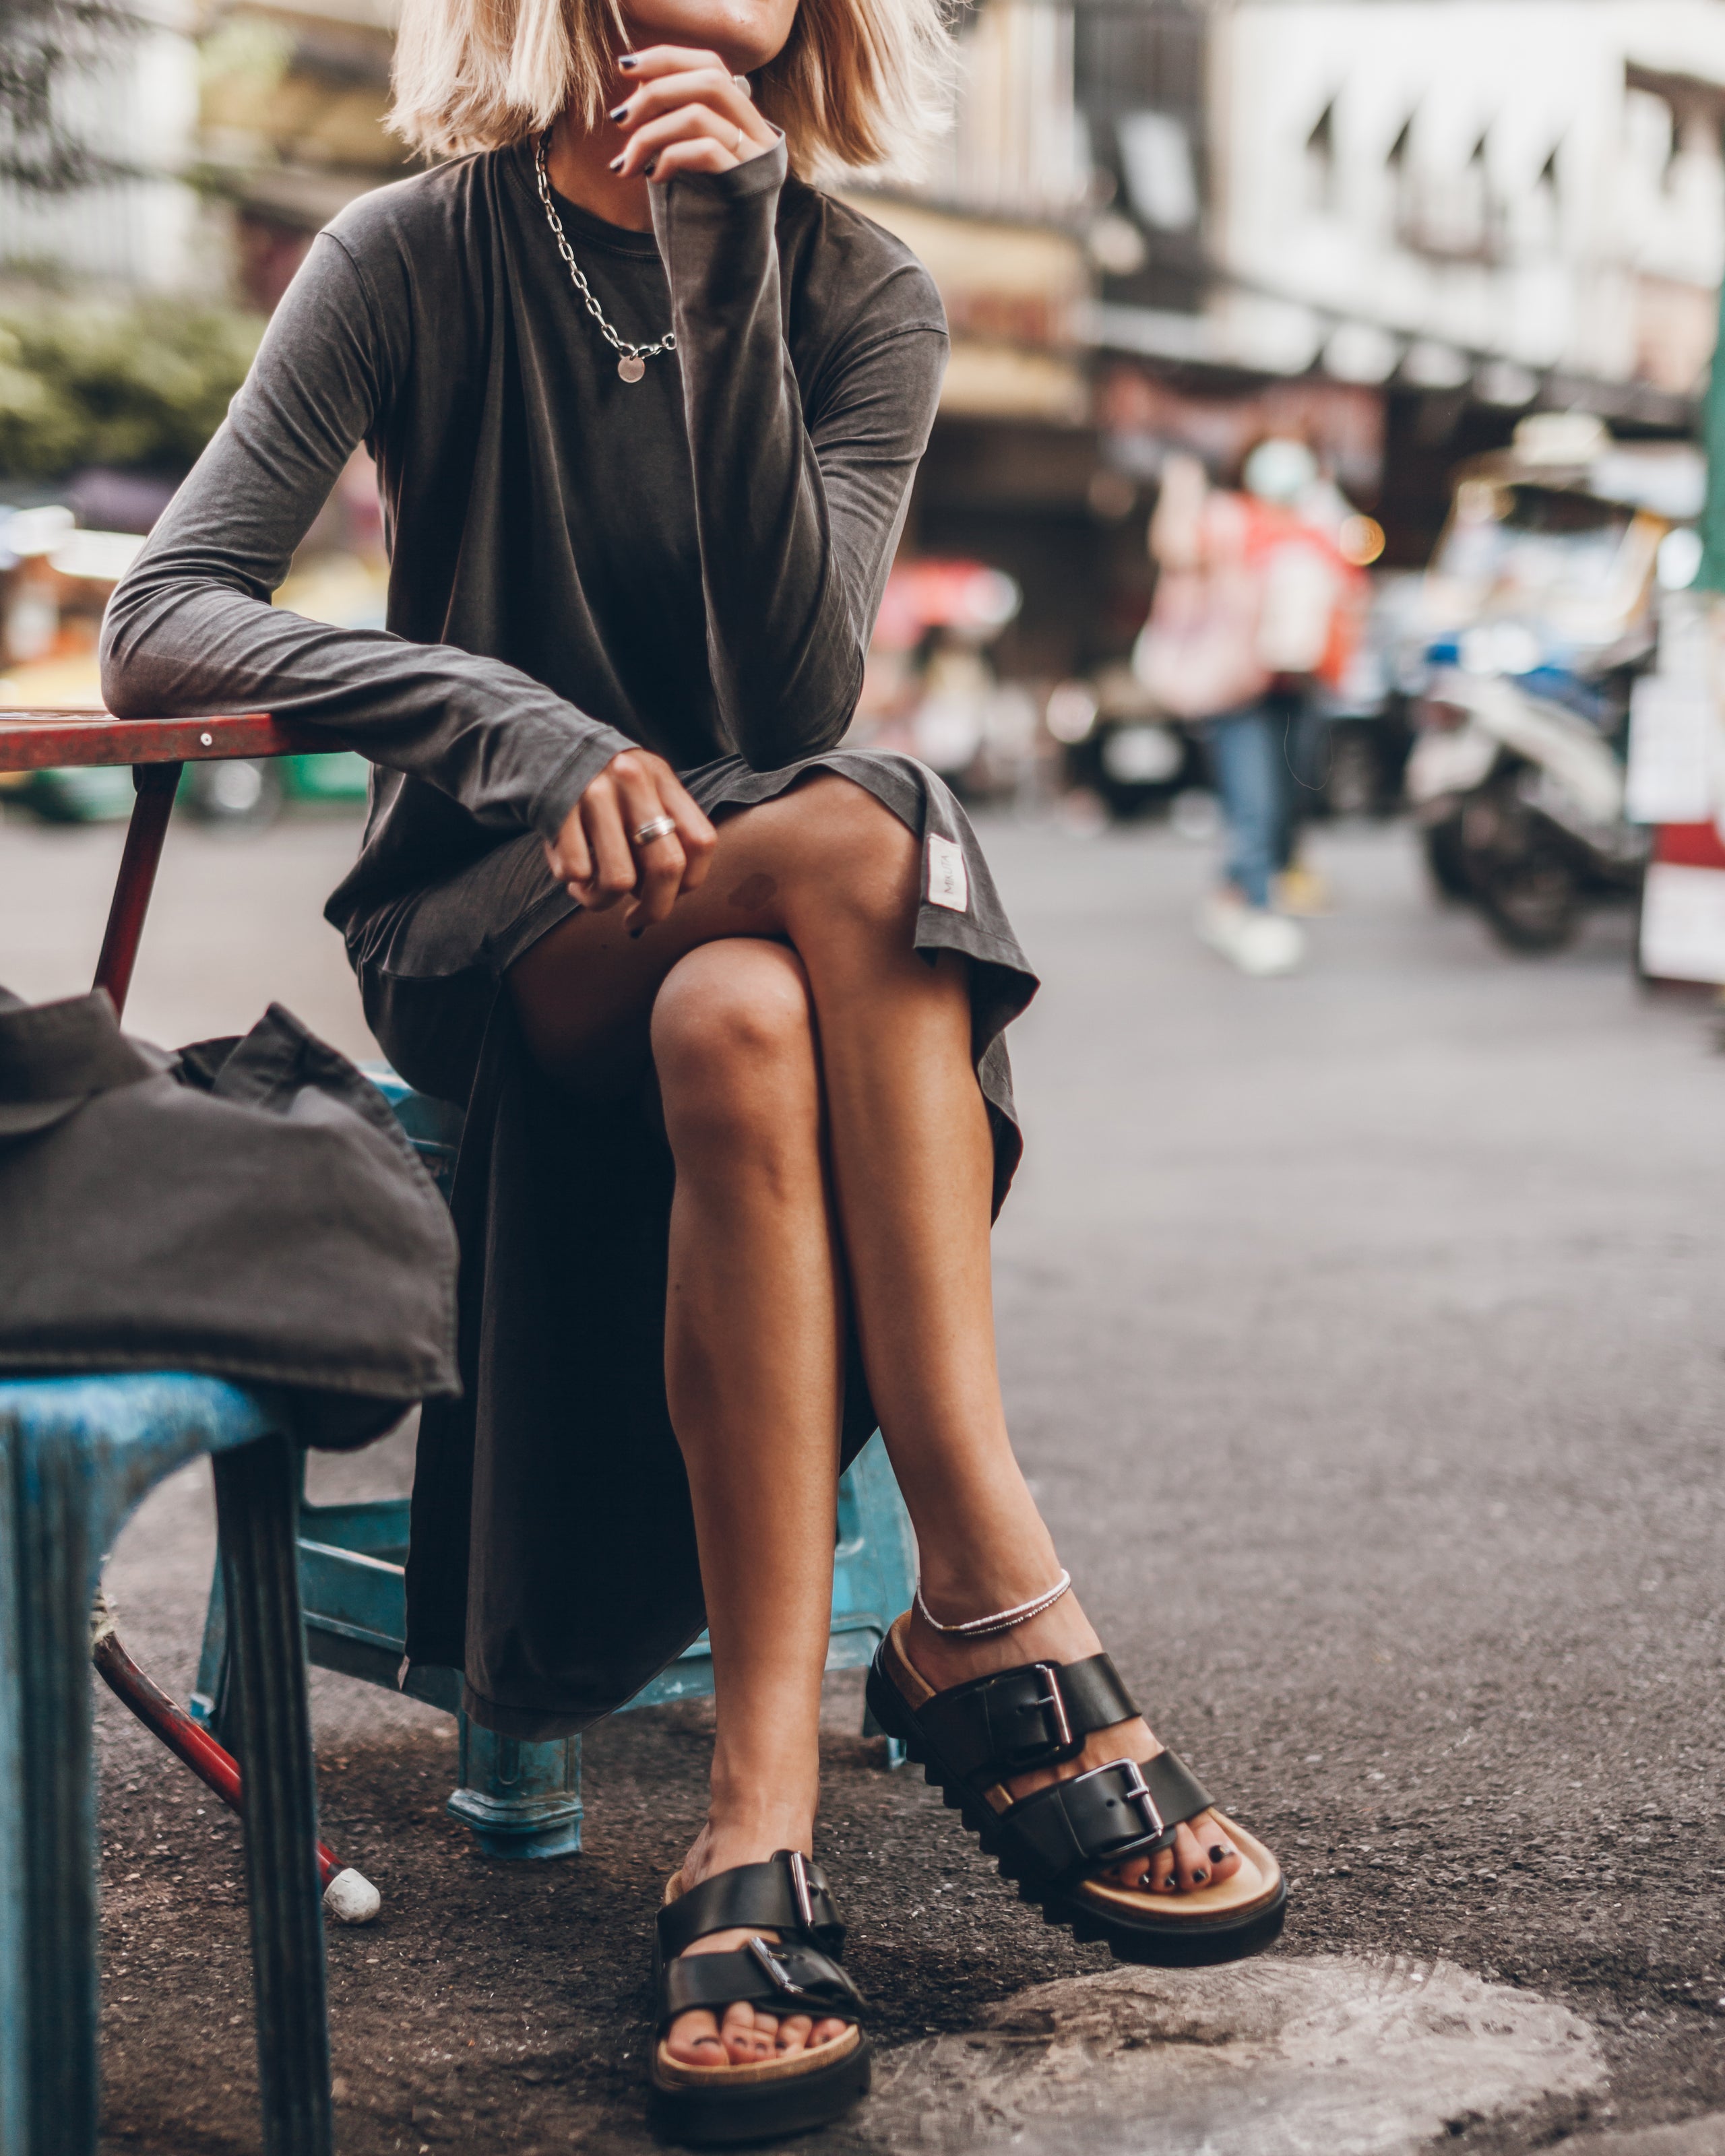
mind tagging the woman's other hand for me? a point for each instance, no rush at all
(685, 113)
(600, 860)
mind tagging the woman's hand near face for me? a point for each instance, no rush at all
(598, 859)
(685, 113)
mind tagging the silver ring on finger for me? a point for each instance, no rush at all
(655, 827)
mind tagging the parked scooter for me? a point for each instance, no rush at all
(1521, 795)
(1544, 581)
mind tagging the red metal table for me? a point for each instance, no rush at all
(158, 751)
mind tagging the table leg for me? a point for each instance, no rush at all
(255, 1509)
(156, 785)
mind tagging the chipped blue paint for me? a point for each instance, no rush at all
(76, 1455)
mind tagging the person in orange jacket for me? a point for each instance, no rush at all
(1255, 603)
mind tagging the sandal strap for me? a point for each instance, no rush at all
(1037, 1715)
(788, 1893)
(1111, 1813)
(788, 1978)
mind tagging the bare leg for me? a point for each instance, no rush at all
(829, 871)
(752, 1347)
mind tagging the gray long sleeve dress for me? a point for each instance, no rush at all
(577, 564)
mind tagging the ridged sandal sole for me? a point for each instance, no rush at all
(729, 2107)
(1230, 1921)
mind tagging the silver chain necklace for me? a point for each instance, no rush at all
(631, 358)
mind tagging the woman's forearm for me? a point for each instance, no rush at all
(797, 519)
(510, 752)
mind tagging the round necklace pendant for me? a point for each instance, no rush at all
(631, 367)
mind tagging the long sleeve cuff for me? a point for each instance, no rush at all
(571, 779)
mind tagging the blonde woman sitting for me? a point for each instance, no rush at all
(724, 999)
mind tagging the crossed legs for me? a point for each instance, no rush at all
(829, 1138)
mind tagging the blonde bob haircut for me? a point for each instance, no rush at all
(861, 85)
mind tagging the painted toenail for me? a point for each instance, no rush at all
(1199, 1878)
(1218, 1855)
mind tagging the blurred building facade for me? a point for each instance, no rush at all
(291, 123)
(1392, 226)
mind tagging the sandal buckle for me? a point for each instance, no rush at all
(1049, 1674)
(829, 1987)
(799, 1890)
(1138, 1792)
(775, 1969)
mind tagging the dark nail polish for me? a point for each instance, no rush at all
(618, 112)
(647, 169)
(617, 164)
(1199, 1877)
(1218, 1856)
(626, 61)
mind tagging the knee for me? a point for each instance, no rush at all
(858, 860)
(733, 1044)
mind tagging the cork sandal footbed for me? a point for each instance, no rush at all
(783, 2068)
(1254, 1883)
(1249, 1905)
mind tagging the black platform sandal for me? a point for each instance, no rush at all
(972, 1738)
(711, 2107)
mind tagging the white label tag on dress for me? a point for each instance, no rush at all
(948, 879)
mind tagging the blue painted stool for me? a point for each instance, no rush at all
(523, 1799)
(76, 1455)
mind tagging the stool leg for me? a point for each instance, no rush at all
(255, 1512)
(521, 1799)
(52, 1567)
(16, 1973)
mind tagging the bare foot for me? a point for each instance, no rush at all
(746, 2034)
(1203, 1854)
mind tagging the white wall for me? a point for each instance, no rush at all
(1606, 266)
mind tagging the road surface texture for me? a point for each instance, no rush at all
(1361, 1333)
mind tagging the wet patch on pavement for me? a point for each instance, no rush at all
(1350, 2053)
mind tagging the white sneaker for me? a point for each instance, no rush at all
(1258, 941)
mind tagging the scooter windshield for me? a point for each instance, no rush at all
(1537, 552)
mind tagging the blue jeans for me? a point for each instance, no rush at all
(1248, 764)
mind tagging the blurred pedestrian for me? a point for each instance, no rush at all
(1253, 602)
(724, 999)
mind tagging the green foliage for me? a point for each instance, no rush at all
(144, 383)
(44, 44)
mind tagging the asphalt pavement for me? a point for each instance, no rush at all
(1360, 1335)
